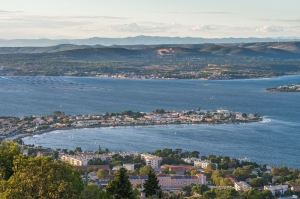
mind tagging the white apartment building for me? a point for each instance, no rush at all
(241, 186)
(276, 189)
(75, 160)
(129, 167)
(190, 160)
(241, 160)
(202, 163)
(152, 160)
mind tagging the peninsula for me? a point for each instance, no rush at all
(285, 88)
(18, 126)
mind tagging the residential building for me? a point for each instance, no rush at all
(241, 160)
(203, 163)
(129, 167)
(151, 160)
(241, 186)
(276, 189)
(169, 181)
(75, 160)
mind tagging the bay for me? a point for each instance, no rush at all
(276, 140)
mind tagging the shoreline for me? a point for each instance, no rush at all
(20, 136)
(171, 78)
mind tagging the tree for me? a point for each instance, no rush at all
(211, 166)
(281, 171)
(132, 173)
(102, 173)
(107, 151)
(258, 182)
(65, 151)
(55, 154)
(193, 172)
(267, 194)
(251, 194)
(242, 173)
(194, 154)
(145, 170)
(211, 194)
(91, 191)
(151, 186)
(200, 188)
(298, 181)
(71, 152)
(8, 149)
(187, 190)
(120, 187)
(99, 149)
(42, 177)
(78, 149)
(219, 179)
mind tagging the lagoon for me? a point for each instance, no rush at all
(276, 140)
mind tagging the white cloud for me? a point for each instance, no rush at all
(142, 28)
(269, 29)
(204, 28)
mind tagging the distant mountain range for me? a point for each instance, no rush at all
(208, 61)
(283, 50)
(139, 40)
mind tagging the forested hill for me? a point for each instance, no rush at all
(218, 61)
(278, 50)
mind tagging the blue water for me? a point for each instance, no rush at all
(274, 141)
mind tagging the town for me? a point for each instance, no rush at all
(179, 172)
(285, 88)
(14, 127)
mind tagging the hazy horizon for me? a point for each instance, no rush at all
(33, 19)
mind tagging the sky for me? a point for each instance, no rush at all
(78, 19)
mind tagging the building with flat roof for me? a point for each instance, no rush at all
(277, 189)
(169, 181)
(151, 160)
(241, 186)
(75, 160)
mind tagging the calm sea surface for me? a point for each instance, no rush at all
(276, 140)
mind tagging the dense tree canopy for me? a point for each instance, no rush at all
(120, 187)
(151, 186)
(91, 191)
(8, 150)
(219, 178)
(145, 170)
(102, 173)
(41, 177)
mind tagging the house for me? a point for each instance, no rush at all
(294, 186)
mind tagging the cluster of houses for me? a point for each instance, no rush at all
(286, 88)
(10, 126)
(171, 182)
